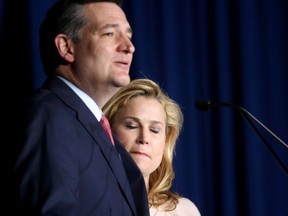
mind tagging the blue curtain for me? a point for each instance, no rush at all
(228, 51)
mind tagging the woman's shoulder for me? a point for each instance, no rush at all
(186, 207)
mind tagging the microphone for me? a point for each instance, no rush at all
(206, 105)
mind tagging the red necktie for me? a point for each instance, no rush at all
(105, 124)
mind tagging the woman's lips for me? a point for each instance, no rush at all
(137, 153)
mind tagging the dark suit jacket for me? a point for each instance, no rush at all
(67, 165)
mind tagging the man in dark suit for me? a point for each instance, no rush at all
(66, 164)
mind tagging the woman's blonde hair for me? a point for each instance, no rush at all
(161, 179)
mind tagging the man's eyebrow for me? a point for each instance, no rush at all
(128, 29)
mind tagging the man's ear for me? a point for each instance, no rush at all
(65, 47)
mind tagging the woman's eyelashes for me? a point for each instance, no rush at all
(153, 129)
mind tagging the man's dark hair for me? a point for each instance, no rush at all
(66, 17)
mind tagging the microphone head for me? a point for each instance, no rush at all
(204, 105)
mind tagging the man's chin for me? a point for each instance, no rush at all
(123, 81)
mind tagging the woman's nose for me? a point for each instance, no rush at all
(141, 140)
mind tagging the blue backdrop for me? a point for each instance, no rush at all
(229, 51)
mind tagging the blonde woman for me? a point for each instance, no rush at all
(147, 122)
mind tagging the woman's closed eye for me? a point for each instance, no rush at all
(154, 130)
(131, 125)
(135, 126)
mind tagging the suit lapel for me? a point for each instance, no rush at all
(95, 129)
(136, 180)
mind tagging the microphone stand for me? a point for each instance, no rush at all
(248, 117)
(262, 125)
(205, 105)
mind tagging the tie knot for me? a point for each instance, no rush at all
(104, 122)
(106, 125)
